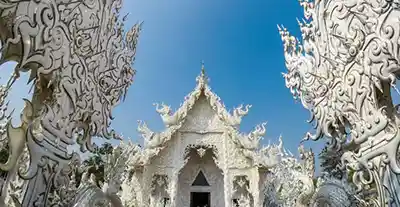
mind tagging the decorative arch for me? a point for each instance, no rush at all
(202, 150)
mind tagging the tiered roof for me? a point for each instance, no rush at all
(154, 141)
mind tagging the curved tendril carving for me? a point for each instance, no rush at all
(79, 58)
(80, 63)
(16, 137)
(343, 71)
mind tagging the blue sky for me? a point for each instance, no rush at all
(242, 51)
(241, 47)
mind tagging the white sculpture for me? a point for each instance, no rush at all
(343, 71)
(116, 176)
(238, 113)
(290, 182)
(167, 116)
(80, 61)
(80, 64)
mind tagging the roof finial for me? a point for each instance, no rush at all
(203, 71)
(202, 78)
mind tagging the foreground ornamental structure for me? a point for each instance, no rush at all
(344, 71)
(201, 157)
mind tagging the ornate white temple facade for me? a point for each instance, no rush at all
(201, 158)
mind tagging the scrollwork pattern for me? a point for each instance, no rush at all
(343, 72)
(79, 59)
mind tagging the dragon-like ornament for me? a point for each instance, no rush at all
(169, 118)
(343, 71)
(290, 181)
(237, 114)
(251, 140)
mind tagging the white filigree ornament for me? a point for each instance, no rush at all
(343, 71)
(80, 63)
(201, 151)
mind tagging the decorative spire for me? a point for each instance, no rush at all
(203, 71)
(202, 79)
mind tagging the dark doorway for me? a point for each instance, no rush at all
(198, 199)
(200, 180)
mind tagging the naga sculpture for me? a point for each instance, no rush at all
(343, 72)
(334, 193)
(151, 139)
(238, 113)
(249, 141)
(169, 118)
(79, 59)
(289, 182)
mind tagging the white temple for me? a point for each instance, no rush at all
(201, 158)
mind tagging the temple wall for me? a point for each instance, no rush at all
(166, 156)
(236, 159)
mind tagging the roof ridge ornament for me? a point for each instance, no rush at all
(203, 71)
(202, 79)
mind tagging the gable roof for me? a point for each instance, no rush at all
(154, 142)
(202, 88)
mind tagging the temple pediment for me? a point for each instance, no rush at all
(202, 118)
(204, 100)
(202, 112)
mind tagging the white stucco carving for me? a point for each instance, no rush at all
(202, 136)
(344, 69)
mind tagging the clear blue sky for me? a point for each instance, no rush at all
(241, 47)
(242, 51)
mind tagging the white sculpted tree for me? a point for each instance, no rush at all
(343, 71)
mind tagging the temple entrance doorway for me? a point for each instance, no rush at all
(199, 199)
(200, 181)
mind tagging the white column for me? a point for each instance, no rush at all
(227, 177)
(173, 185)
(227, 188)
(256, 187)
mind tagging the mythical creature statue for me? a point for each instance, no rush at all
(289, 183)
(343, 71)
(309, 160)
(169, 118)
(79, 59)
(334, 193)
(271, 155)
(151, 139)
(250, 141)
(238, 113)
